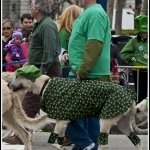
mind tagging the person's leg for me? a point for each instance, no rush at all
(65, 72)
(94, 130)
(77, 133)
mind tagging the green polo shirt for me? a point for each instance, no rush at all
(92, 24)
(45, 45)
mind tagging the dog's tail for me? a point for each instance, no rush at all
(24, 120)
(139, 111)
(137, 129)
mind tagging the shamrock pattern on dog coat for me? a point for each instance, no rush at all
(70, 99)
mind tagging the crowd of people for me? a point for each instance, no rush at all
(78, 46)
(16, 41)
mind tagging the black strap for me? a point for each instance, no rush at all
(46, 81)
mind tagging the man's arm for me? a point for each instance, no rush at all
(92, 52)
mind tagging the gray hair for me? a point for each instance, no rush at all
(9, 21)
(43, 5)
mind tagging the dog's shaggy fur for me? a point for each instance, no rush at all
(15, 118)
(8, 76)
(141, 117)
(123, 121)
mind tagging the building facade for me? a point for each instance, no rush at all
(13, 9)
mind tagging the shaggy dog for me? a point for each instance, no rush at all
(40, 85)
(15, 118)
(141, 117)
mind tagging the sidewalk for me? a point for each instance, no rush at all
(116, 142)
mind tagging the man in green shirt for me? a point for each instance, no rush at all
(45, 45)
(89, 57)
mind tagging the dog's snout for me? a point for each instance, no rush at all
(15, 87)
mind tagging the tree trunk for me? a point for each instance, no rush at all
(144, 9)
(118, 20)
(110, 8)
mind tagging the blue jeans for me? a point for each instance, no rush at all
(83, 132)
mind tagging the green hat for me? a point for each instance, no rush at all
(30, 72)
(141, 23)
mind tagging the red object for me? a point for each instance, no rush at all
(114, 68)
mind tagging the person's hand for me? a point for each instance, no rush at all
(79, 76)
(64, 58)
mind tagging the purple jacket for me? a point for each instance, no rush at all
(15, 51)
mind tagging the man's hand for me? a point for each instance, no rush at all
(64, 58)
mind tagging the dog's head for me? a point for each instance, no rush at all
(35, 87)
(20, 82)
(141, 111)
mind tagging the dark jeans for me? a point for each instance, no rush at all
(83, 132)
(65, 72)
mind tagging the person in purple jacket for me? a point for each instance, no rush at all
(14, 51)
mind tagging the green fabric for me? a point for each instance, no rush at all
(92, 24)
(70, 99)
(54, 138)
(134, 138)
(30, 72)
(93, 50)
(45, 44)
(64, 36)
(103, 138)
(135, 49)
(141, 23)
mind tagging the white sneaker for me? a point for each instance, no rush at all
(89, 147)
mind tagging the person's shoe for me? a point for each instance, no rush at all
(90, 147)
(66, 142)
(12, 140)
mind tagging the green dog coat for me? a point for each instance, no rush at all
(70, 99)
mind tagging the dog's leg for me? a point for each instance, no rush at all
(10, 122)
(56, 138)
(125, 126)
(9, 133)
(105, 126)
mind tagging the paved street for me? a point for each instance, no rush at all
(116, 142)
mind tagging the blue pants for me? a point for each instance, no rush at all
(83, 132)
